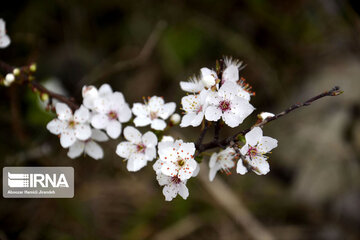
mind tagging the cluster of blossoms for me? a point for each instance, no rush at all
(215, 96)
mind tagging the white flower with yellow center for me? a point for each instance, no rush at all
(138, 149)
(153, 113)
(172, 186)
(254, 150)
(194, 107)
(70, 126)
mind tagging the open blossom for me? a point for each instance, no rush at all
(194, 107)
(226, 104)
(177, 159)
(4, 39)
(172, 186)
(89, 146)
(231, 72)
(221, 161)
(70, 126)
(153, 113)
(91, 93)
(194, 85)
(109, 111)
(138, 150)
(254, 151)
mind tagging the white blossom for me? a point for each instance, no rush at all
(177, 159)
(194, 85)
(221, 161)
(208, 77)
(226, 104)
(194, 107)
(70, 126)
(89, 146)
(153, 113)
(172, 186)
(4, 39)
(138, 149)
(231, 72)
(9, 79)
(109, 111)
(254, 150)
(91, 93)
(175, 119)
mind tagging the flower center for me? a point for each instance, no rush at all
(112, 115)
(140, 148)
(199, 109)
(252, 152)
(153, 115)
(175, 180)
(181, 162)
(224, 105)
(72, 124)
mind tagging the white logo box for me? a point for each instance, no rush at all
(38, 182)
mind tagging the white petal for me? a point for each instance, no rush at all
(187, 119)
(212, 173)
(76, 149)
(266, 144)
(82, 131)
(4, 41)
(169, 169)
(254, 136)
(196, 171)
(187, 171)
(105, 90)
(231, 119)
(56, 126)
(213, 159)
(142, 121)
(125, 149)
(155, 103)
(67, 138)
(63, 112)
(167, 109)
(150, 153)
(139, 109)
(212, 113)
(124, 114)
(170, 191)
(198, 119)
(183, 191)
(113, 129)
(149, 139)
(157, 167)
(99, 121)
(136, 162)
(98, 135)
(163, 179)
(240, 168)
(158, 124)
(231, 73)
(132, 134)
(94, 150)
(82, 115)
(260, 165)
(194, 85)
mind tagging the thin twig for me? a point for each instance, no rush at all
(107, 68)
(335, 91)
(202, 134)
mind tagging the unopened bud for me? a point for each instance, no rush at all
(208, 77)
(16, 71)
(175, 119)
(33, 67)
(264, 115)
(44, 97)
(9, 79)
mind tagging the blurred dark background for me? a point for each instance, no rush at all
(293, 50)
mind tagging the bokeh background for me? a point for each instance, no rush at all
(293, 50)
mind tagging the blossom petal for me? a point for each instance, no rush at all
(67, 138)
(149, 139)
(196, 171)
(63, 112)
(212, 113)
(260, 165)
(132, 134)
(56, 126)
(82, 131)
(231, 73)
(163, 179)
(98, 135)
(76, 149)
(212, 173)
(157, 167)
(231, 119)
(213, 159)
(183, 191)
(125, 149)
(105, 90)
(198, 119)
(240, 168)
(254, 136)
(142, 121)
(158, 124)
(139, 109)
(82, 115)
(113, 129)
(4, 41)
(99, 121)
(187, 119)
(167, 109)
(150, 153)
(136, 162)
(170, 191)
(155, 103)
(124, 114)
(169, 169)
(94, 150)
(266, 144)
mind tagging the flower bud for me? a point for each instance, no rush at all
(175, 119)
(16, 71)
(264, 115)
(44, 97)
(33, 67)
(9, 79)
(208, 77)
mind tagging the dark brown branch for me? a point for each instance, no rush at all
(202, 134)
(24, 78)
(216, 143)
